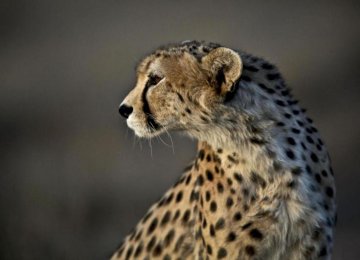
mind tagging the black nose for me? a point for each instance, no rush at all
(125, 110)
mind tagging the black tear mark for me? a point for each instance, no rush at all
(149, 117)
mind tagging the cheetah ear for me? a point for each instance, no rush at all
(224, 67)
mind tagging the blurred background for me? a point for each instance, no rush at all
(74, 180)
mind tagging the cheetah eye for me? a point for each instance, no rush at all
(153, 80)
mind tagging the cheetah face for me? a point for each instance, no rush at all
(177, 91)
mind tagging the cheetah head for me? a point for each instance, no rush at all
(180, 88)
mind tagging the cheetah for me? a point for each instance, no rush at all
(261, 185)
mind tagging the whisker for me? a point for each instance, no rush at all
(151, 154)
(172, 143)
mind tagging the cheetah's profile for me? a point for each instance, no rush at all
(261, 186)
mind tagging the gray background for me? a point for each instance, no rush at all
(73, 180)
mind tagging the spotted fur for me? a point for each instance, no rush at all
(261, 185)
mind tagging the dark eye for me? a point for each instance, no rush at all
(153, 80)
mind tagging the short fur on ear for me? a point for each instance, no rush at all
(224, 67)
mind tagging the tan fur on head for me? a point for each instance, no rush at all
(202, 83)
(224, 67)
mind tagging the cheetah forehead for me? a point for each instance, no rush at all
(197, 49)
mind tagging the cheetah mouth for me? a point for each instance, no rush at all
(146, 130)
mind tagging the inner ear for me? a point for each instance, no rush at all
(220, 78)
(224, 67)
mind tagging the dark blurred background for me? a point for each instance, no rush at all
(74, 180)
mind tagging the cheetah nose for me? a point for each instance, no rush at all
(125, 110)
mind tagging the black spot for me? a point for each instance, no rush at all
(308, 169)
(169, 237)
(186, 216)
(245, 207)
(220, 224)
(229, 202)
(138, 250)
(209, 175)
(138, 235)
(194, 196)
(238, 177)
(309, 139)
(291, 184)
(273, 76)
(165, 218)
(129, 252)
(250, 68)
(188, 179)
(291, 141)
(232, 159)
(200, 180)
(222, 253)
(231, 237)
(220, 187)
(201, 154)
(319, 147)
(323, 252)
(324, 173)
(250, 250)
(188, 111)
(179, 242)
(167, 257)
(256, 234)
(300, 123)
(295, 130)
(245, 192)
(237, 216)
(245, 78)
(290, 154)
(157, 250)
(147, 216)
(179, 196)
(121, 249)
(209, 249)
(152, 226)
(177, 214)
(280, 103)
(258, 141)
(314, 158)
(212, 230)
(329, 192)
(318, 178)
(169, 199)
(180, 97)
(257, 179)
(287, 115)
(303, 146)
(204, 119)
(204, 223)
(208, 158)
(207, 196)
(213, 206)
(285, 92)
(247, 225)
(267, 66)
(277, 166)
(267, 89)
(151, 244)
